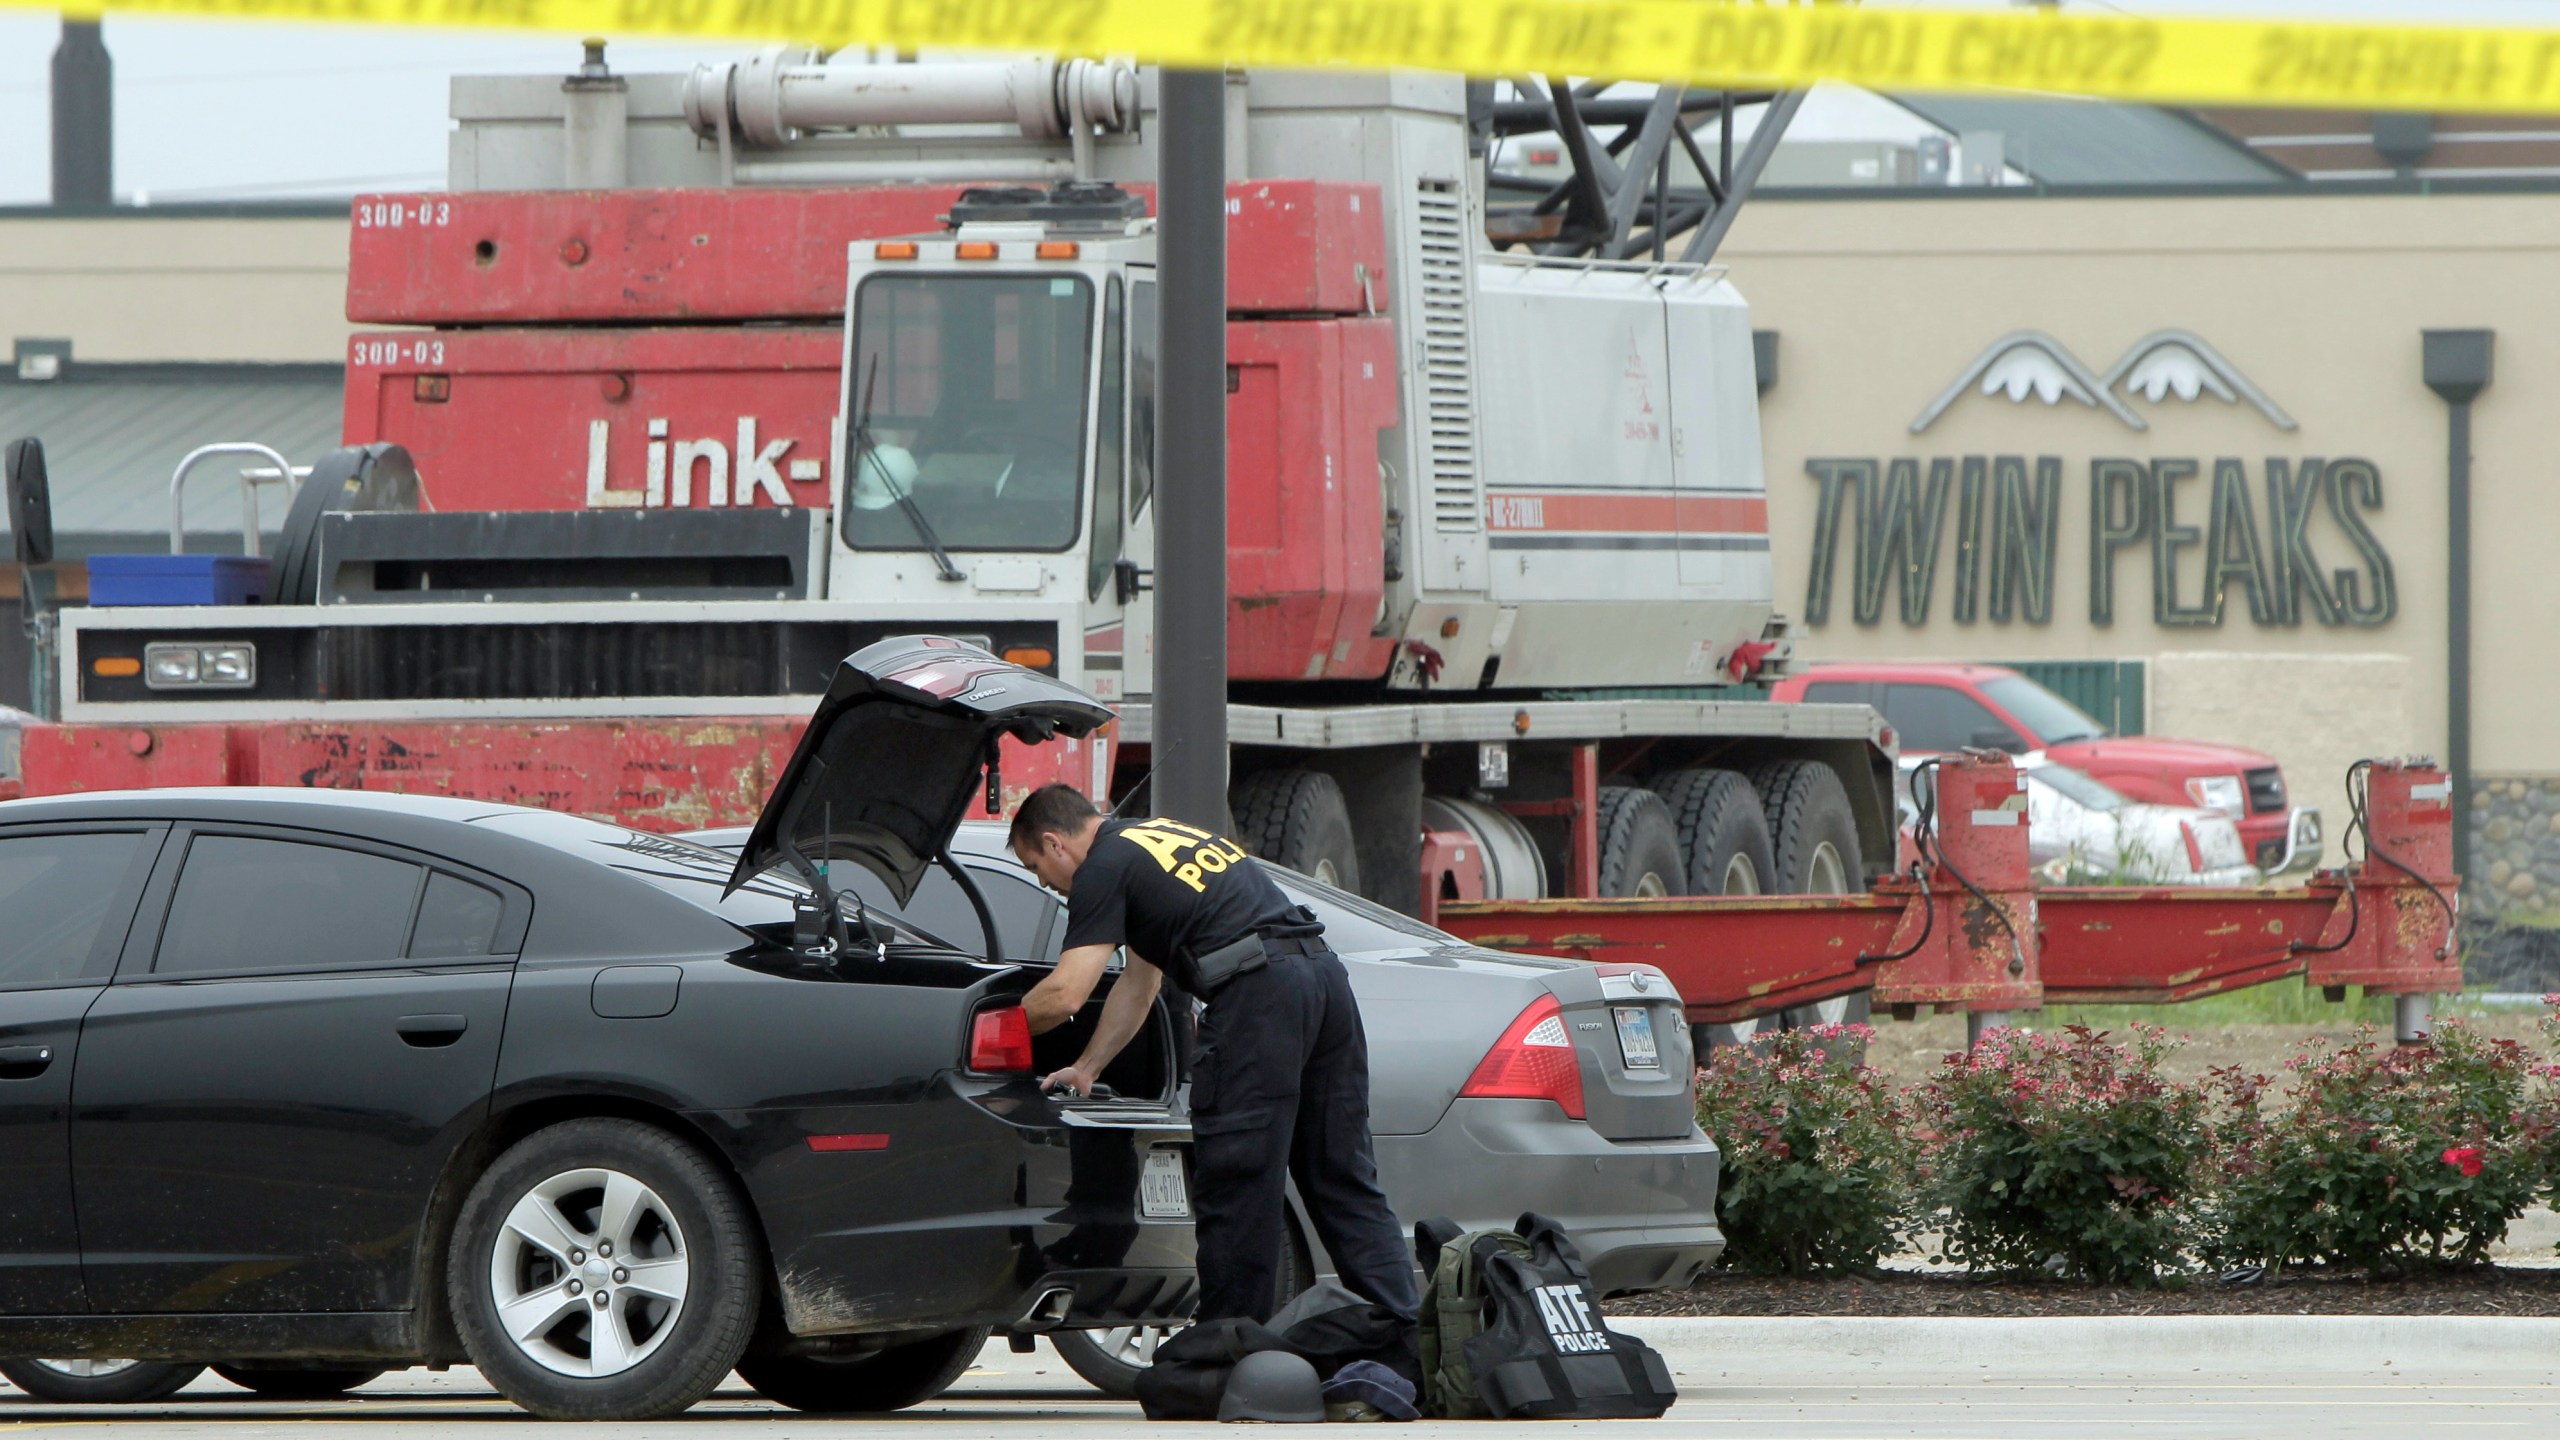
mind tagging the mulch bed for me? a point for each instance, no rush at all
(2486, 1290)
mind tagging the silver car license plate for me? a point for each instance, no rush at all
(1163, 1194)
(1635, 1037)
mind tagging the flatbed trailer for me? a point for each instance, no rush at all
(1965, 930)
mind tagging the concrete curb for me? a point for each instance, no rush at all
(2147, 1344)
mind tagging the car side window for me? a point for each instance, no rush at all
(457, 920)
(57, 893)
(247, 903)
(1939, 717)
(1839, 692)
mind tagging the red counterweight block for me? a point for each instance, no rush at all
(619, 256)
(656, 774)
(605, 417)
(1306, 400)
(1305, 247)
(648, 257)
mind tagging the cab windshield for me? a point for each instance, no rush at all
(965, 424)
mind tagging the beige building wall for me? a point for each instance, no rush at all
(2320, 300)
(2325, 712)
(146, 287)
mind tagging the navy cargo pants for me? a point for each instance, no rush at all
(1280, 1088)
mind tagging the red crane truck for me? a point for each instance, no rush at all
(705, 380)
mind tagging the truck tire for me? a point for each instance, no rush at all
(298, 1382)
(99, 1382)
(682, 1290)
(1298, 818)
(1813, 835)
(884, 1380)
(1722, 831)
(1814, 839)
(1639, 845)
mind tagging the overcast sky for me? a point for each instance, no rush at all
(211, 110)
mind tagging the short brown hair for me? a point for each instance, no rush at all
(1050, 810)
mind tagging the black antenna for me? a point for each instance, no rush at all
(1121, 810)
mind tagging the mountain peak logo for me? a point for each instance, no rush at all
(2163, 365)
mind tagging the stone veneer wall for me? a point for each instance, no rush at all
(2515, 847)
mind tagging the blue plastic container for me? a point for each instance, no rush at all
(177, 579)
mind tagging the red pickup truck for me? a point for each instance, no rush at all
(1953, 707)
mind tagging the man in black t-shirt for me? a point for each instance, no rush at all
(1280, 1072)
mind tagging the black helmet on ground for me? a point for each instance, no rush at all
(1273, 1386)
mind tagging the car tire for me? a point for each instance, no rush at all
(1639, 845)
(1722, 831)
(99, 1382)
(883, 1380)
(1298, 818)
(535, 1243)
(1111, 1359)
(286, 1382)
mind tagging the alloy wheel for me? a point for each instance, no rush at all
(589, 1273)
(1132, 1345)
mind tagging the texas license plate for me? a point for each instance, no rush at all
(1635, 1037)
(1163, 1194)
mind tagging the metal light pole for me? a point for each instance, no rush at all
(2457, 366)
(1190, 706)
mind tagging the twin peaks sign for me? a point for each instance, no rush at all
(1991, 525)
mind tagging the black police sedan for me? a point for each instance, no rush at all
(336, 1082)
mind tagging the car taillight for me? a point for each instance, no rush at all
(1534, 1060)
(1000, 1041)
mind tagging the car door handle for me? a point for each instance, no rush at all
(24, 1062)
(431, 1032)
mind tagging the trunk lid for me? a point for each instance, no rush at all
(896, 748)
(1608, 1011)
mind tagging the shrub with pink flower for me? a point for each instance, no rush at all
(2382, 1155)
(1817, 1157)
(2066, 1153)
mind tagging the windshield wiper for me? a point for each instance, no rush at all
(870, 451)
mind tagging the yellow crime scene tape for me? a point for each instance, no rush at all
(2318, 64)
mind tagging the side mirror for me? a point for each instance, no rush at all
(30, 502)
(2000, 740)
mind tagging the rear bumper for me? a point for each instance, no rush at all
(1001, 1211)
(1641, 1212)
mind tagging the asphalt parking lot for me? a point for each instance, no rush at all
(1817, 1395)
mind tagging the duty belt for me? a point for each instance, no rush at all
(1242, 957)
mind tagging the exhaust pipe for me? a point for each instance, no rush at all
(1046, 1313)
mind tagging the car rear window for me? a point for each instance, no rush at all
(246, 903)
(56, 892)
(1353, 926)
(691, 873)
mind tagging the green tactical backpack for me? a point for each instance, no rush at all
(1453, 1311)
